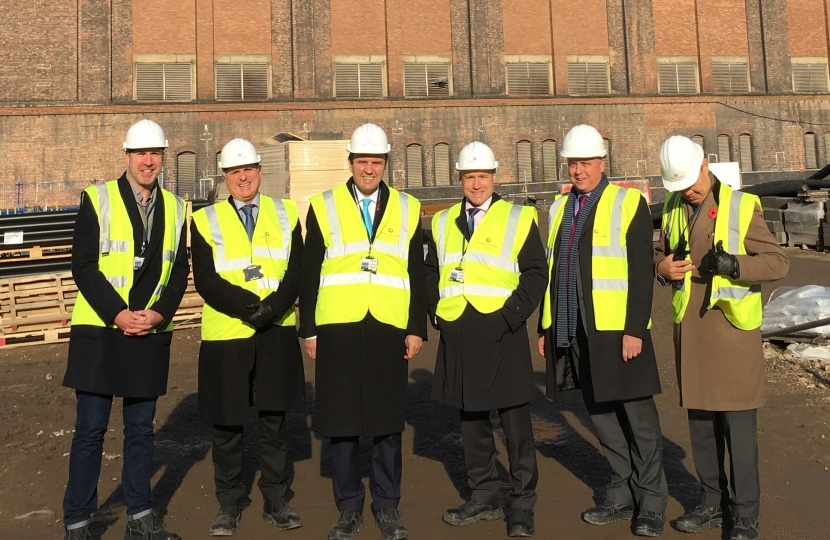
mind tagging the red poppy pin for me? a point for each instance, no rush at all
(713, 212)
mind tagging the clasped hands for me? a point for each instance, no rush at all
(137, 323)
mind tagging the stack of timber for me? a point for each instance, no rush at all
(38, 309)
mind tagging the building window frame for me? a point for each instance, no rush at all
(588, 63)
(373, 61)
(665, 65)
(814, 68)
(412, 64)
(735, 66)
(513, 65)
(164, 60)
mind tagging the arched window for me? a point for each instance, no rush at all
(724, 149)
(746, 152)
(550, 167)
(699, 140)
(414, 165)
(810, 151)
(186, 175)
(607, 156)
(442, 164)
(524, 162)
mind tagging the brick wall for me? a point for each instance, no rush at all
(807, 32)
(675, 27)
(722, 29)
(164, 27)
(581, 31)
(527, 27)
(358, 27)
(242, 27)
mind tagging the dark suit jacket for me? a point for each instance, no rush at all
(611, 378)
(104, 360)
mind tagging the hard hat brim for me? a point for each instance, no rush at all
(459, 168)
(679, 185)
(568, 156)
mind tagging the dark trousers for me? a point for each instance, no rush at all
(385, 481)
(92, 416)
(480, 456)
(273, 458)
(630, 437)
(712, 433)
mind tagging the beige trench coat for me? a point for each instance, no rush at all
(719, 367)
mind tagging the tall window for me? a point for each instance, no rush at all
(746, 152)
(699, 140)
(414, 165)
(724, 149)
(550, 167)
(587, 78)
(442, 164)
(241, 82)
(186, 175)
(730, 78)
(810, 151)
(607, 143)
(426, 80)
(358, 80)
(528, 79)
(524, 162)
(164, 82)
(677, 78)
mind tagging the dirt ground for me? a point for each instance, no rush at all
(37, 418)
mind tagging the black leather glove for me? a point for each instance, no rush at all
(262, 317)
(719, 262)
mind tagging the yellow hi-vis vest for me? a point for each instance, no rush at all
(116, 249)
(490, 263)
(270, 249)
(740, 303)
(609, 256)
(346, 292)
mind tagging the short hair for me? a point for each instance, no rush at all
(353, 156)
(257, 165)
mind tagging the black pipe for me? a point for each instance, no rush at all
(793, 329)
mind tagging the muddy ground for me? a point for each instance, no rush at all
(37, 417)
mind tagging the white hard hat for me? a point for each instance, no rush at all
(476, 156)
(145, 134)
(369, 139)
(680, 161)
(238, 152)
(583, 141)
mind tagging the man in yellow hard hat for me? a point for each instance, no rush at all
(715, 250)
(489, 276)
(595, 329)
(129, 261)
(247, 253)
(363, 315)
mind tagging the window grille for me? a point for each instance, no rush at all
(699, 140)
(186, 175)
(585, 78)
(550, 167)
(746, 152)
(528, 79)
(414, 166)
(163, 82)
(810, 150)
(426, 80)
(524, 161)
(810, 78)
(677, 78)
(724, 149)
(729, 78)
(241, 82)
(442, 164)
(358, 80)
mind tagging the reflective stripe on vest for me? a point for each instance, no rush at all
(347, 294)
(491, 268)
(116, 250)
(609, 256)
(740, 303)
(269, 249)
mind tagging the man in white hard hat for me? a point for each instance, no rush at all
(129, 261)
(247, 253)
(490, 276)
(363, 316)
(715, 250)
(594, 329)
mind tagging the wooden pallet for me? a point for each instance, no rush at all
(36, 253)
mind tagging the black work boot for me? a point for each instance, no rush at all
(346, 525)
(608, 512)
(226, 520)
(81, 533)
(702, 518)
(649, 523)
(148, 527)
(520, 522)
(279, 515)
(745, 529)
(471, 512)
(390, 524)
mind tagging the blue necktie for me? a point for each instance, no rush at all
(248, 210)
(471, 222)
(367, 221)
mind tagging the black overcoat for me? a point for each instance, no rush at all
(265, 369)
(105, 360)
(361, 375)
(611, 378)
(483, 361)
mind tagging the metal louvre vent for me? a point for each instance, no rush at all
(724, 149)
(358, 80)
(186, 175)
(426, 80)
(677, 78)
(698, 139)
(607, 144)
(163, 82)
(414, 166)
(528, 79)
(524, 161)
(587, 78)
(442, 164)
(730, 78)
(810, 150)
(238, 82)
(746, 152)
(550, 168)
(809, 78)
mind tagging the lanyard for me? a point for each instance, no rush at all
(362, 216)
(145, 212)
